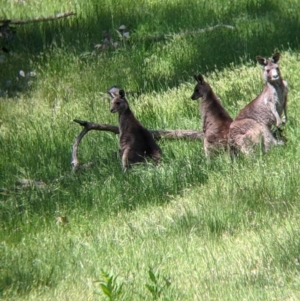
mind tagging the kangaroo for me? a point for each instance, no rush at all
(254, 122)
(136, 142)
(215, 119)
(272, 75)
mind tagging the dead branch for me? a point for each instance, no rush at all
(157, 134)
(39, 19)
(187, 33)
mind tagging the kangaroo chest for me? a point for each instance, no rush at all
(276, 95)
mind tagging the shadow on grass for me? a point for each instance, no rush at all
(104, 189)
(260, 28)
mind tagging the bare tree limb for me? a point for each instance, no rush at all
(157, 134)
(187, 33)
(177, 134)
(39, 19)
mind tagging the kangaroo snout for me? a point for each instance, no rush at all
(275, 76)
(194, 97)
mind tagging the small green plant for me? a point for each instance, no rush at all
(110, 287)
(158, 284)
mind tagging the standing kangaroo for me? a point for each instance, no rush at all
(136, 142)
(215, 119)
(254, 122)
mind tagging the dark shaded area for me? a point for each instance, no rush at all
(116, 191)
(271, 27)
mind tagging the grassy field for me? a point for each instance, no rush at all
(188, 229)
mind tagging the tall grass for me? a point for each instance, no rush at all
(189, 229)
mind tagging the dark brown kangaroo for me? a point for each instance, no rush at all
(216, 120)
(253, 124)
(136, 142)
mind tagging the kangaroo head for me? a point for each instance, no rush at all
(271, 72)
(201, 87)
(119, 103)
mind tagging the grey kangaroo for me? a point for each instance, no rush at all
(254, 123)
(215, 119)
(136, 142)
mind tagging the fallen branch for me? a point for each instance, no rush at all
(157, 134)
(187, 33)
(39, 19)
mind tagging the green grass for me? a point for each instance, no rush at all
(189, 229)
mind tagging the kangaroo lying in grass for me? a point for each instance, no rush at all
(216, 120)
(253, 124)
(136, 142)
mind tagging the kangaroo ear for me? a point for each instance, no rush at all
(122, 93)
(112, 95)
(199, 78)
(276, 57)
(261, 60)
(113, 91)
